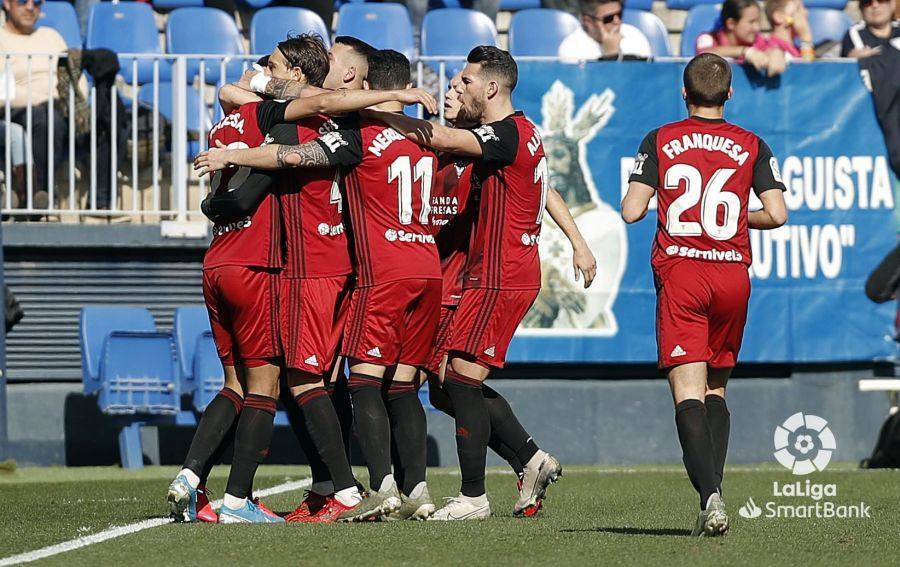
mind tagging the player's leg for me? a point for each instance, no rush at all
(718, 416)
(251, 444)
(324, 430)
(339, 390)
(186, 495)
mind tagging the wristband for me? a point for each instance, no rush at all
(259, 82)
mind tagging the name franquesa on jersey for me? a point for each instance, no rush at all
(708, 142)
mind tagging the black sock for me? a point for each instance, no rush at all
(506, 427)
(372, 426)
(325, 431)
(473, 430)
(396, 462)
(251, 443)
(318, 469)
(218, 418)
(506, 453)
(697, 446)
(720, 426)
(339, 391)
(408, 431)
(216, 458)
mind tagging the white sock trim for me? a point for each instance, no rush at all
(191, 477)
(417, 491)
(349, 496)
(386, 483)
(233, 502)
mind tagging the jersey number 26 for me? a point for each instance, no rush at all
(714, 196)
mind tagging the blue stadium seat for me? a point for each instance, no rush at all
(833, 4)
(688, 4)
(187, 326)
(61, 16)
(257, 4)
(652, 27)
(95, 324)
(539, 32)
(145, 98)
(454, 32)
(645, 5)
(700, 19)
(828, 24)
(384, 26)
(272, 25)
(220, 37)
(513, 5)
(171, 4)
(139, 374)
(127, 27)
(209, 376)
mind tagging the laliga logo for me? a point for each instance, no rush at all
(804, 443)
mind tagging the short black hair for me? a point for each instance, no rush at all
(388, 69)
(589, 6)
(707, 80)
(496, 63)
(356, 44)
(306, 51)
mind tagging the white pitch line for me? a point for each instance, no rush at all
(118, 531)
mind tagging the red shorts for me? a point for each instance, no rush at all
(313, 311)
(441, 339)
(701, 308)
(485, 322)
(393, 322)
(243, 312)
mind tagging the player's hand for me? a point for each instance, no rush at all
(585, 264)
(213, 159)
(418, 96)
(757, 58)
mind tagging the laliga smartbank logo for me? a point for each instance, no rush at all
(804, 444)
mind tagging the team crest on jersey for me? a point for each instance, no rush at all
(486, 133)
(566, 130)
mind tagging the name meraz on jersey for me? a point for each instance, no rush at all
(383, 140)
(706, 142)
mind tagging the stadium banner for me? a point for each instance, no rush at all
(807, 302)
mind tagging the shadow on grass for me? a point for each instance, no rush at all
(634, 531)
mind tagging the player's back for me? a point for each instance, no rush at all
(312, 209)
(706, 171)
(254, 240)
(389, 197)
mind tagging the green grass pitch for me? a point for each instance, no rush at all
(594, 516)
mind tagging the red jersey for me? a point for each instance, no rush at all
(254, 240)
(388, 193)
(703, 171)
(510, 182)
(451, 220)
(316, 243)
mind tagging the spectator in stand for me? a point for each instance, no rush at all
(603, 35)
(878, 30)
(19, 35)
(790, 26)
(17, 161)
(418, 8)
(737, 36)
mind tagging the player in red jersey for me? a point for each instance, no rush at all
(394, 308)
(452, 216)
(502, 273)
(702, 170)
(308, 61)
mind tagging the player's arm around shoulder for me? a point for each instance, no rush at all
(642, 182)
(456, 141)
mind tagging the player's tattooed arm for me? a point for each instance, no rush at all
(583, 260)
(456, 141)
(309, 154)
(285, 89)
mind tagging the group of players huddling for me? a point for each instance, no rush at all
(345, 230)
(424, 274)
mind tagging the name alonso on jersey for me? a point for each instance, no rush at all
(706, 142)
